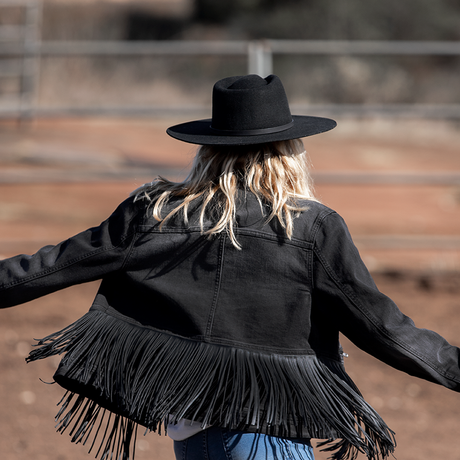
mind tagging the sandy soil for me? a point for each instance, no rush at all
(59, 177)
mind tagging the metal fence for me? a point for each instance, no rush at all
(259, 55)
(23, 43)
(20, 55)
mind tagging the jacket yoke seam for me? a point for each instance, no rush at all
(274, 238)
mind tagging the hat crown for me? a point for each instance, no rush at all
(248, 82)
(246, 104)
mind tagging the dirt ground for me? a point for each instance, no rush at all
(58, 177)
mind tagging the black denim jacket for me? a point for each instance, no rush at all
(187, 326)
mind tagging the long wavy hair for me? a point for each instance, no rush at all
(277, 173)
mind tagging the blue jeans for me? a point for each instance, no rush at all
(221, 444)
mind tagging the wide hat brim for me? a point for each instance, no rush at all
(200, 132)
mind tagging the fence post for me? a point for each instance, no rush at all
(31, 59)
(260, 60)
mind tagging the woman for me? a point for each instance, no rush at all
(221, 302)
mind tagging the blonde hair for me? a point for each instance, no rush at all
(277, 173)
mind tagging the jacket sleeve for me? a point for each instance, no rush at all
(372, 321)
(87, 256)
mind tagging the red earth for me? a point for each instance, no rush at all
(58, 177)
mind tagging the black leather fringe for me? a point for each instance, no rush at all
(120, 374)
(118, 435)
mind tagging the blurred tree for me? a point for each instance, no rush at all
(141, 25)
(223, 11)
(214, 12)
(335, 19)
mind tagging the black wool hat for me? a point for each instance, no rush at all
(249, 110)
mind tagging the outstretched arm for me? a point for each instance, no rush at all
(85, 257)
(372, 321)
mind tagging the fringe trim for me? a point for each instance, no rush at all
(117, 440)
(139, 375)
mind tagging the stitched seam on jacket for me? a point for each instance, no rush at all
(130, 249)
(383, 331)
(246, 232)
(58, 268)
(110, 311)
(274, 238)
(247, 346)
(218, 281)
(315, 228)
(75, 260)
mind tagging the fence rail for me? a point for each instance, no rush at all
(234, 47)
(259, 56)
(364, 47)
